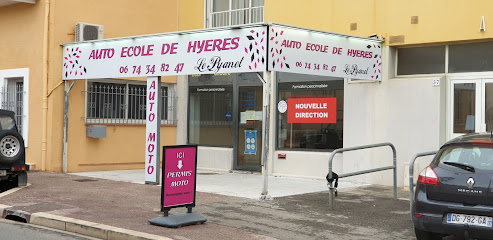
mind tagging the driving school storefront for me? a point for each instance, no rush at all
(250, 97)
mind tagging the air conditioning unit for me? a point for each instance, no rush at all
(88, 31)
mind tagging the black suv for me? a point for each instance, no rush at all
(13, 168)
(454, 194)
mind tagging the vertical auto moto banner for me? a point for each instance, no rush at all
(153, 121)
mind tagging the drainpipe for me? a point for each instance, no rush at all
(44, 119)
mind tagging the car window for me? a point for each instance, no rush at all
(6, 123)
(477, 156)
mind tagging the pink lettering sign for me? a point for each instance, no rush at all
(179, 168)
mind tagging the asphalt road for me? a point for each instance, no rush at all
(15, 230)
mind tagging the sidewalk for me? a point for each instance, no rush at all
(120, 209)
(237, 184)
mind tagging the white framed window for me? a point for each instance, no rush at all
(444, 59)
(14, 96)
(220, 13)
(421, 60)
(124, 102)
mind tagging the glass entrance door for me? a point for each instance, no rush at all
(487, 109)
(471, 106)
(249, 150)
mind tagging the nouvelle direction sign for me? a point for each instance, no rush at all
(221, 51)
(317, 53)
(179, 174)
(312, 110)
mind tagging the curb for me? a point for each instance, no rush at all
(86, 228)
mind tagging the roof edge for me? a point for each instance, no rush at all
(222, 29)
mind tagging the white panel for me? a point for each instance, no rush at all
(215, 158)
(222, 51)
(318, 53)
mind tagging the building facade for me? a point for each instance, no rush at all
(31, 63)
(435, 84)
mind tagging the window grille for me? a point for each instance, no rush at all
(12, 99)
(115, 103)
(235, 12)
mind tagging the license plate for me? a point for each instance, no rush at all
(474, 220)
(3, 172)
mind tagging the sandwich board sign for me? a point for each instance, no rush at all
(178, 186)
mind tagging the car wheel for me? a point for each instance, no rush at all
(424, 235)
(11, 146)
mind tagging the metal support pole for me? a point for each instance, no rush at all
(65, 125)
(266, 80)
(331, 196)
(394, 162)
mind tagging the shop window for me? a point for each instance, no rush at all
(421, 60)
(315, 110)
(472, 57)
(124, 103)
(234, 12)
(210, 115)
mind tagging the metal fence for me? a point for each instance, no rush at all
(411, 176)
(341, 150)
(12, 99)
(237, 16)
(111, 103)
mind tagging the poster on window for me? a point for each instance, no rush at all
(251, 142)
(312, 110)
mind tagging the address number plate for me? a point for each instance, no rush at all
(469, 219)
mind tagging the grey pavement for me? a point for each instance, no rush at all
(236, 184)
(120, 209)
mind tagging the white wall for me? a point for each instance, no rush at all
(305, 164)
(408, 112)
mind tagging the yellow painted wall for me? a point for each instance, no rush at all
(191, 14)
(21, 46)
(438, 21)
(308, 14)
(124, 146)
